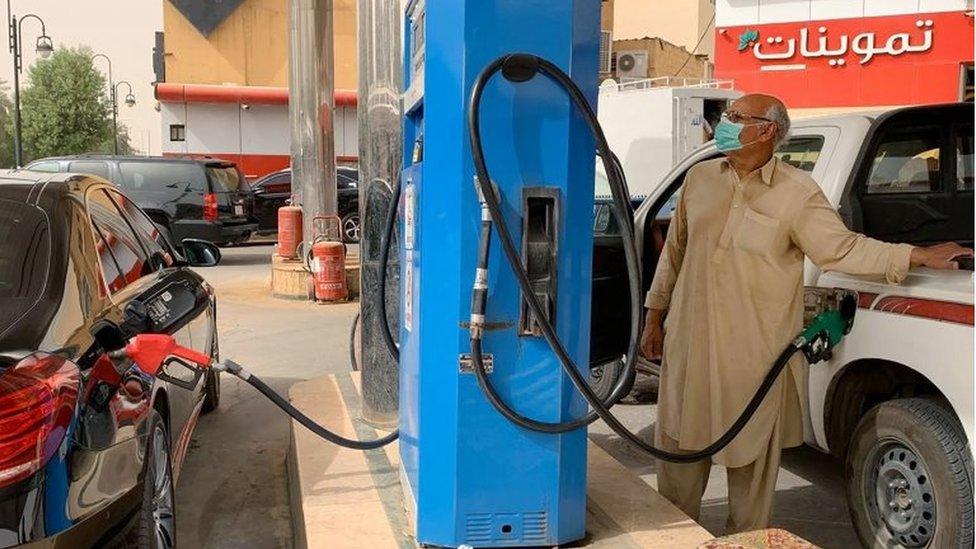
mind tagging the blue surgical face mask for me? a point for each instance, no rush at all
(727, 135)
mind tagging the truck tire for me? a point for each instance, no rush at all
(909, 477)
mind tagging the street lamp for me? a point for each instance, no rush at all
(44, 47)
(130, 101)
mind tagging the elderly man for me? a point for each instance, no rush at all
(730, 286)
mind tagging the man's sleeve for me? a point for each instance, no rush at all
(669, 264)
(821, 234)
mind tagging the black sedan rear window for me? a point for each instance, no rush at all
(158, 176)
(25, 248)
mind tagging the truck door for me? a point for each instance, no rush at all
(914, 179)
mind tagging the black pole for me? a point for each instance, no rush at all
(115, 120)
(15, 48)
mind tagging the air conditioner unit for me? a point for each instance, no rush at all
(631, 65)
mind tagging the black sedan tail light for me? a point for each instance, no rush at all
(38, 397)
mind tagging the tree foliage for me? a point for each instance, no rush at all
(64, 106)
(6, 127)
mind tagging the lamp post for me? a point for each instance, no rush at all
(44, 47)
(130, 101)
(111, 93)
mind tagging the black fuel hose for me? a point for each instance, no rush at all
(237, 370)
(297, 414)
(524, 67)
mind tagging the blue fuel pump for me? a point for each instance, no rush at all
(471, 476)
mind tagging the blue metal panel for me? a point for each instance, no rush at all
(474, 477)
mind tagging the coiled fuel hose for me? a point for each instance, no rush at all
(521, 68)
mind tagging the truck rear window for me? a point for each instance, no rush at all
(149, 176)
(25, 249)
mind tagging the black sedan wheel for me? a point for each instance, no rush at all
(157, 518)
(350, 228)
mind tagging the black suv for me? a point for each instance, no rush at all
(207, 199)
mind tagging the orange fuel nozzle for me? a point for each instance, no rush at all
(149, 351)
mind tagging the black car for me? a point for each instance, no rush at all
(90, 447)
(191, 198)
(274, 191)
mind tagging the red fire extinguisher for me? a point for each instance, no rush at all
(289, 231)
(329, 268)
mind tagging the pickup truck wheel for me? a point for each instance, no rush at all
(909, 477)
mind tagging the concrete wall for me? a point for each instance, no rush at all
(680, 22)
(665, 58)
(250, 47)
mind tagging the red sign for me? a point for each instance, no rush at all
(869, 61)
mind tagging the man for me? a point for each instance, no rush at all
(730, 285)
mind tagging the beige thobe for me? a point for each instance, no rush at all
(731, 278)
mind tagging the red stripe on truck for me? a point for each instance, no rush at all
(945, 311)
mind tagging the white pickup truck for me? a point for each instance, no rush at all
(896, 399)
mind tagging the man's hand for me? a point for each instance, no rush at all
(940, 256)
(652, 340)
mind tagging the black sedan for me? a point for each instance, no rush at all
(90, 446)
(274, 191)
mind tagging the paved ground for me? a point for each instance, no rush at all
(233, 489)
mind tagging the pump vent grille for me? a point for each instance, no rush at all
(534, 528)
(522, 528)
(478, 529)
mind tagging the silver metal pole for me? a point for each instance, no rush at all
(380, 153)
(311, 107)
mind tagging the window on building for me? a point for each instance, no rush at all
(606, 49)
(966, 83)
(907, 163)
(964, 159)
(177, 132)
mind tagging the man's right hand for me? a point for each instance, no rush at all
(652, 340)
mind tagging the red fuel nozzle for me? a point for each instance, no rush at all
(149, 351)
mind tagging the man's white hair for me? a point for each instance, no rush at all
(778, 115)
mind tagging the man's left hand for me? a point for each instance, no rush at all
(940, 256)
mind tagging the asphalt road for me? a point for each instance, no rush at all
(233, 490)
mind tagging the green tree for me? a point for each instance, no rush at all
(6, 127)
(64, 107)
(125, 143)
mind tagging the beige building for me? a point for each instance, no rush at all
(249, 47)
(641, 58)
(680, 22)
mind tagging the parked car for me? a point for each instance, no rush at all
(274, 191)
(91, 449)
(207, 199)
(896, 400)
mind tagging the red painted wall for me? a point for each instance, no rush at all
(812, 80)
